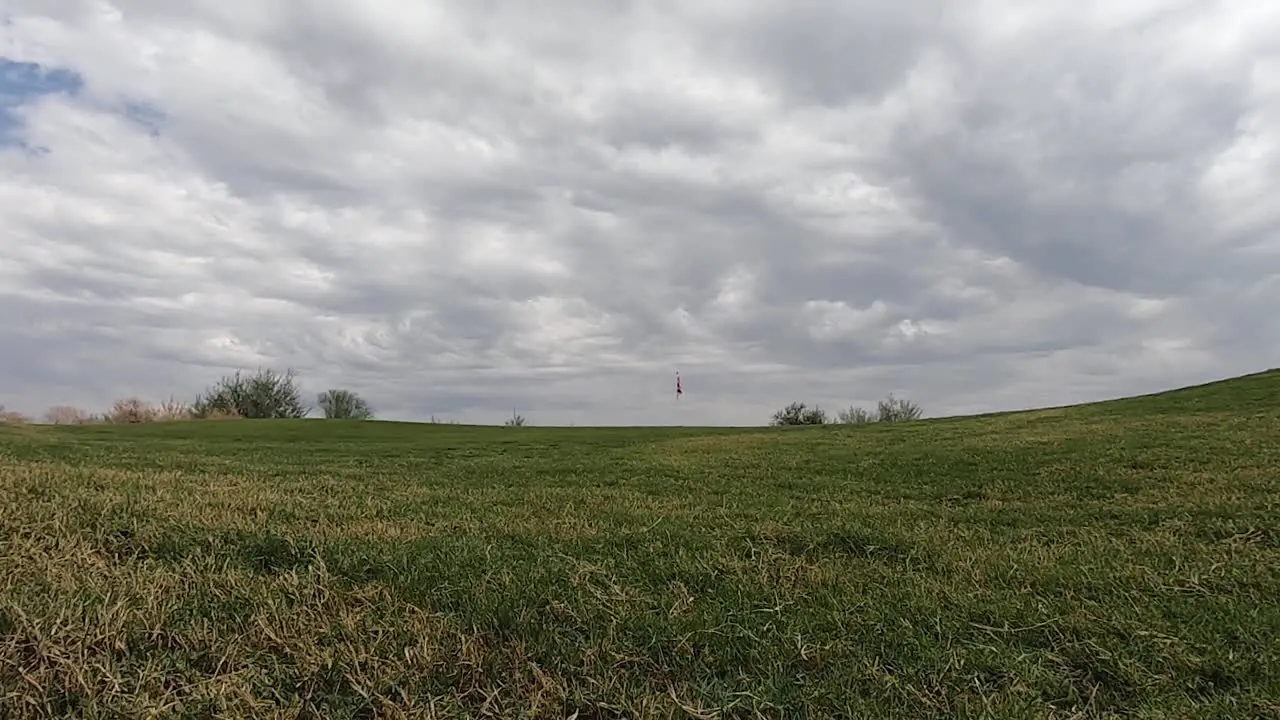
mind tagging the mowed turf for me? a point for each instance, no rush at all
(1105, 560)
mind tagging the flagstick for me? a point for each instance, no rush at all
(679, 392)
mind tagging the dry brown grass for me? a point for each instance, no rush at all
(76, 658)
(90, 629)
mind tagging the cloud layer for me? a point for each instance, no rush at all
(461, 208)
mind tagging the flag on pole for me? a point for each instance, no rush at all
(679, 387)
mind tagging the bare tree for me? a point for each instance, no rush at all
(264, 394)
(798, 413)
(344, 405)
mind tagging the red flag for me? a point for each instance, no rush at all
(679, 388)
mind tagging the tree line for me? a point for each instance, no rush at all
(890, 409)
(263, 394)
(268, 394)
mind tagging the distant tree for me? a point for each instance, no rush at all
(173, 409)
(131, 411)
(516, 420)
(264, 394)
(13, 418)
(893, 409)
(797, 413)
(344, 405)
(890, 409)
(67, 415)
(854, 416)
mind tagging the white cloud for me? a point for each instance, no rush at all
(456, 209)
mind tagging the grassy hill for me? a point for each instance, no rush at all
(1108, 559)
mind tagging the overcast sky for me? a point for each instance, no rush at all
(461, 208)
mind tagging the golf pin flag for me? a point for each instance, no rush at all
(679, 387)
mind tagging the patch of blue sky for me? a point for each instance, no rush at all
(21, 82)
(145, 115)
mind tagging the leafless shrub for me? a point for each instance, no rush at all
(67, 415)
(344, 405)
(890, 409)
(893, 409)
(131, 411)
(173, 409)
(854, 416)
(798, 413)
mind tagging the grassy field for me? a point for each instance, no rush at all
(1104, 560)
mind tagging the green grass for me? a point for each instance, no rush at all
(1118, 559)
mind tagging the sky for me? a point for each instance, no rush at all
(464, 209)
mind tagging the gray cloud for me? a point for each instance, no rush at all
(815, 51)
(463, 208)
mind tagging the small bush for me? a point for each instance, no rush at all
(854, 416)
(344, 405)
(173, 409)
(131, 411)
(892, 409)
(797, 413)
(264, 394)
(68, 415)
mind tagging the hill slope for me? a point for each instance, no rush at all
(1110, 558)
